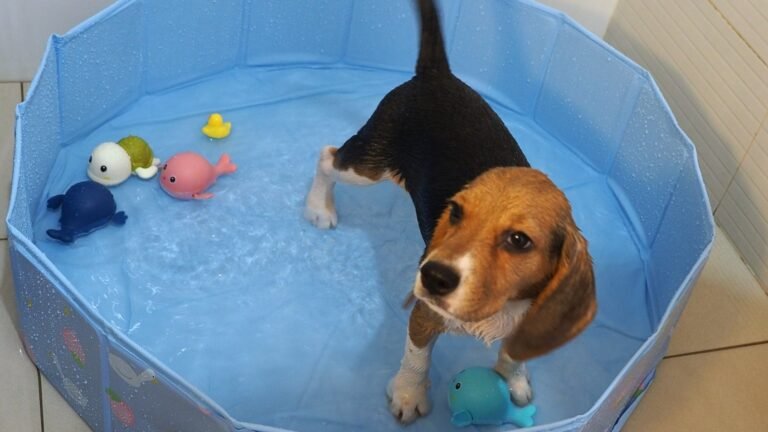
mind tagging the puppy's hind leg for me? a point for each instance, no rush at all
(319, 206)
(349, 164)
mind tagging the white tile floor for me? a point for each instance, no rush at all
(714, 378)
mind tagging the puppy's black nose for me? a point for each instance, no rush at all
(438, 278)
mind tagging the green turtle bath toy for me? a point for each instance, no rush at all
(112, 163)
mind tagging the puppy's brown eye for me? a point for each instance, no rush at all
(517, 241)
(456, 213)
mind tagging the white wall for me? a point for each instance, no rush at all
(26, 24)
(592, 14)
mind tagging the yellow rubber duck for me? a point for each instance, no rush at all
(216, 128)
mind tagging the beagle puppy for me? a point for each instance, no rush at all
(504, 259)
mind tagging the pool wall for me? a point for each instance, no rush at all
(519, 54)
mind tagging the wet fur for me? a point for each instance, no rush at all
(435, 134)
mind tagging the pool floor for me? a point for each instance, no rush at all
(286, 325)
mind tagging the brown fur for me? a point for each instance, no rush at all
(368, 169)
(562, 309)
(372, 172)
(556, 272)
(424, 325)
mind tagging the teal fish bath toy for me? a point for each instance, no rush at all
(479, 396)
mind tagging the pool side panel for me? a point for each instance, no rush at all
(297, 31)
(38, 138)
(583, 95)
(372, 43)
(61, 341)
(495, 52)
(92, 88)
(201, 39)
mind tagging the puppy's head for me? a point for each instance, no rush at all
(510, 235)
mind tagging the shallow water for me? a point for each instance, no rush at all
(286, 325)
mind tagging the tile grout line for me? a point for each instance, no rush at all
(712, 350)
(743, 158)
(738, 33)
(732, 245)
(765, 118)
(763, 122)
(40, 397)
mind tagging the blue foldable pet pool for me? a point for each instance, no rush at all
(234, 313)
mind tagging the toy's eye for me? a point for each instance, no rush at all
(458, 385)
(517, 241)
(165, 167)
(456, 212)
(173, 179)
(90, 159)
(103, 168)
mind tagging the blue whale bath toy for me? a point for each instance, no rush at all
(479, 396)
(85, 207)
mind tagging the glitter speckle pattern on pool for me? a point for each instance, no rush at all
(265, 313)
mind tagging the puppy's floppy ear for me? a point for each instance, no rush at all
(564, 307)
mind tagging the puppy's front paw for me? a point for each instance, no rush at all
(520, 389)
(408, 400)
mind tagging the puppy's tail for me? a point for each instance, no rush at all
(432, 58)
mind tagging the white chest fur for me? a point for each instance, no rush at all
(494, 327)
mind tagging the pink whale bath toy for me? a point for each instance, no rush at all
(187, 175)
